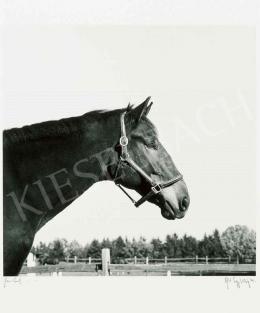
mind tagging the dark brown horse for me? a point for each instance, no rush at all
(48, 165)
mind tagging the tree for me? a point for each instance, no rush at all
(239, 241)
(106, 243)
(41, 249)
(217, 247)
(75, 249)
(119, 250)
(190, 246)
(211, 246)
(122, 250)
(129, 250)
(141, 248)
(204, 246)
(157, 248)
(94, 249)
(173, 246)
(56, 249)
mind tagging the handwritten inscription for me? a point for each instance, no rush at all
(239, 282)
(11, 281)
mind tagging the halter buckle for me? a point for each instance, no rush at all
(123, 141)
(124, 156)
(156, 188)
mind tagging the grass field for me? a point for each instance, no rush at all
(176, 269)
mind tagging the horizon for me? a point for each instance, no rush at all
(141, 237)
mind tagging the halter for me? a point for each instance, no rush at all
(156, 188)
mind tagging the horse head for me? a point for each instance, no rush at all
(145, 166)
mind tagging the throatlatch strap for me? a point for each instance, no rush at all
(125, 192)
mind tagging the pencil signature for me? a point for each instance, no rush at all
(239, 282)
(12, 280)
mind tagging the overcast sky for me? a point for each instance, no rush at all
(202, 83)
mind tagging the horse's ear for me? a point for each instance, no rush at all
(141, 110)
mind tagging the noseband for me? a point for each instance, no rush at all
(156, 188)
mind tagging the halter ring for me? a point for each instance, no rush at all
(123, 141)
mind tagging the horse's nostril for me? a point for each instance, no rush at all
(184, 204)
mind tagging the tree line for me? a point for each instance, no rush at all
(235, 241)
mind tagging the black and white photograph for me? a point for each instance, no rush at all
(129, 151)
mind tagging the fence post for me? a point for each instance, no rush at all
(67, 259)
(229, 259)
(31, 260)
(147, 260)
(165, 259)
(89, 260)
(135, 260)
(196, 259)
(75, 259)
(207, 259)
(105, 261)
(237, 259)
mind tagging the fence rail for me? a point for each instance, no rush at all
(165, 260)
(149, 260)
(88, 260)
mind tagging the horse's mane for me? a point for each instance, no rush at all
(51, 129)
(58, 128)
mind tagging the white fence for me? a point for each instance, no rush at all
(165, 260)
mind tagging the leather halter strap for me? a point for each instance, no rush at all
(125, 158)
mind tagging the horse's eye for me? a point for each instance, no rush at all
(153, 145)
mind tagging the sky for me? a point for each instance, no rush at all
(202, 82)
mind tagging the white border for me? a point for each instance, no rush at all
(130, 12)
(130, 294)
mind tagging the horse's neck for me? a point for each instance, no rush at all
(54, 172)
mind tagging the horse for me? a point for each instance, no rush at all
(47, 165)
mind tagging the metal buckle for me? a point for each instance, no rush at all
(123, 141)
(156, 188)
(124, 156)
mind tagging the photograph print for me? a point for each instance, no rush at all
(129, 151)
